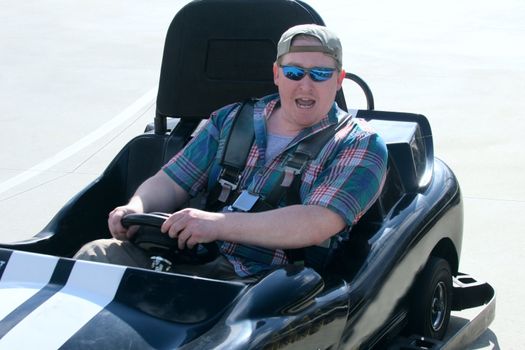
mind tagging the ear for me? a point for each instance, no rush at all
(275, 74)
(340, 79)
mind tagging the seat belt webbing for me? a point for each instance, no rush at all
(237, 148)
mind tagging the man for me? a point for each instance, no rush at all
(336, 188)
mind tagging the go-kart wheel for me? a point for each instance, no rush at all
(431, 300)
(151, 239)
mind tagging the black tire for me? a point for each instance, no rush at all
(431, 300)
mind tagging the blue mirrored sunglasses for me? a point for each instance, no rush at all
(317, 74)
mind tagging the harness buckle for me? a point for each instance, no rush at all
(245, 202)
(227, 188)
(225, 183)
(294, 165)
(228, 183)
(290, 172)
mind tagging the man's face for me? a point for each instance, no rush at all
(305, 102)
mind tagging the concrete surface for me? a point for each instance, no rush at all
(77, 80)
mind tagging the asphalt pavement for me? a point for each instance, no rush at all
(78, 80)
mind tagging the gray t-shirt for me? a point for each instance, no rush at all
(275, 144)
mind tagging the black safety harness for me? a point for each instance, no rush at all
(227, 194)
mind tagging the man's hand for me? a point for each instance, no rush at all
(192, 226)
(158, 193)
(115, 226)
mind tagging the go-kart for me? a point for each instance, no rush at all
(392, 284)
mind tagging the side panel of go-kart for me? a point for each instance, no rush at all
(391, 245)
(422, 225)
(418, 214)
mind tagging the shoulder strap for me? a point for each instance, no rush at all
(237, 148)
(240, 139)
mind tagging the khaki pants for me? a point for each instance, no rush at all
(113, 251)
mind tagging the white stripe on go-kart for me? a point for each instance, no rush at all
(89, 289)
(24, 275)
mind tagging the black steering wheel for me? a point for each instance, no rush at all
(152, 240)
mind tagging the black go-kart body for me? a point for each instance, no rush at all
(391, 285)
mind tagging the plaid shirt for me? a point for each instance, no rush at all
(346, 177)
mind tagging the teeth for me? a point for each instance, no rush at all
(304, 103)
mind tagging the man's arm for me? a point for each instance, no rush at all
(158, 193)
(294, 226)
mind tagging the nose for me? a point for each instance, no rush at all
(306, 82)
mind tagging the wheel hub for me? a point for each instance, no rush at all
(439, 302)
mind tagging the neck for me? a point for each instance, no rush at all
(277, 124)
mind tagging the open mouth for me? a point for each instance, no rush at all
(304, 103)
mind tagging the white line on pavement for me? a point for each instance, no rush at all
(105, 128)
